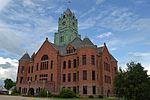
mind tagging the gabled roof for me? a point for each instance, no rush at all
(112, 58)
(25, 57)
(100, 49)
(76, 42)
(87, 43)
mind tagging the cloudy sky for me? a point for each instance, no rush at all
(123, 24)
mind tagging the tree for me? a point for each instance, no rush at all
(133, 83)
(9, 83)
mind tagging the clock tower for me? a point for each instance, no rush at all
(67, 28)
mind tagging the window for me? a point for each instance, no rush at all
(37, 66)
(93, 75)
(78, 76)
(64, 77)
(92, 60)
(78, 61)
(74, 89)
(62, 39)
(44, 57)
(21, 79)
(74, 63)
(22, 69)
(51, 64)
(106, 66)
(44, 65)
(94, 89)
(83, 59)
(32, 69)
(64, 65)
(43, 77)
(29, 69)
(74, 77)
(51, 77)
(35, 77)
(84, 75)
(84, 89)
(107, 79)
(69, 64)
(69, 77)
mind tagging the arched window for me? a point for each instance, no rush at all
(74, 63)
(64, 65)
(44, 57)
(69, 64)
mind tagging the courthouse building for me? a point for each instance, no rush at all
(69, 62)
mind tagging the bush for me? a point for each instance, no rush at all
(100, 96)
(91, 96)
(43, 93)
(15, 92)
(67, 93)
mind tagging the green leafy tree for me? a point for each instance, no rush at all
(133, 83)
(9, 83)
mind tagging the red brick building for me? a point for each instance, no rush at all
(69, 62)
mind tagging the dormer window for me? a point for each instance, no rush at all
(70, 50)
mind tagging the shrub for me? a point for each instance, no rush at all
(100, 96)
(15, 92)
(43, 93)
(67, 93)
(91, 96)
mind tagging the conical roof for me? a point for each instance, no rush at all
(25, 57)
(68, 11)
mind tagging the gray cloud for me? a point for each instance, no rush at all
(6, 65)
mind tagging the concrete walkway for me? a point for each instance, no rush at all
(6, 97)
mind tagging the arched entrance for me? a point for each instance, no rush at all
(31, 92)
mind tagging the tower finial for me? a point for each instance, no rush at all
(68, 3)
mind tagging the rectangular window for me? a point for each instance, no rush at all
(32, 69)
(51, 77)
(51, 64)
(78, 61)
(107, 79)
(69, 77)
(84, 89)
(78, 76)
(93, 75)
(74, 89)
(74, 77)
(22, 69)
(94, 89)
(74, 63)
(106, 66)
(83, 59)
(21, 79)
(37, 66)
(92, 60)
(35, 77)
(84, 75)
(64, 77)
(29, 69)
